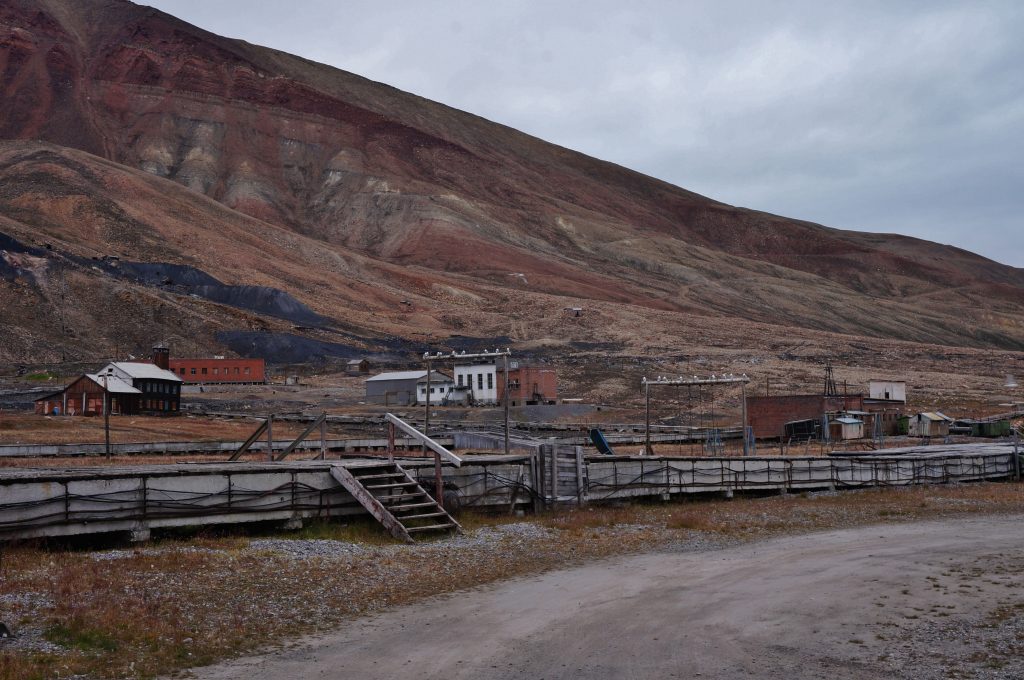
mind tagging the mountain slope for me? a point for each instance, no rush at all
(422, 196)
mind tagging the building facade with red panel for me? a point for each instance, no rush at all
(528, 385)
(210, 371)
(768, 415)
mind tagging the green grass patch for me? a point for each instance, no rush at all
(41, 376)
(76, 636)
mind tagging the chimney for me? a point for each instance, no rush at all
(162, 357)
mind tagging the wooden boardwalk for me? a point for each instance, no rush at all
(67, 501)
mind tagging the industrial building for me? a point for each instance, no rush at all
(478, 379)
(217, 370)
(397, 388)
(442, 389)
(768, 416)
(528, 385)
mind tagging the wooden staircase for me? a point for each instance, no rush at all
(395, 499)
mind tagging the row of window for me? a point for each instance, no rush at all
(158, 405)
(227, 371)
(156, 387)
(479, 380)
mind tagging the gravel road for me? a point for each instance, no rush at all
(922, 600)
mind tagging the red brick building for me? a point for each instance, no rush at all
(207, 371)
(528, 385)
(769, 415)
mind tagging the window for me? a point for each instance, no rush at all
(490, 381)
(479, 381)
(183, 370)
(204, 371)
(236, 370)
(459, 376)
(433, 390)
(193, 370)
(215, 369)
(248, 370)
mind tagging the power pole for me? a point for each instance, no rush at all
(662, 380)
(106, 416)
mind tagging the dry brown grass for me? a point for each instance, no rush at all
(188, 601)
(27, 428)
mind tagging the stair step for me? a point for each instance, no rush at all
(390, 486)
(410, 506)
(386, 475)
(432, 527)
(403, 518)
(384, 500)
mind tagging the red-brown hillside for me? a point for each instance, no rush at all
(425, 197)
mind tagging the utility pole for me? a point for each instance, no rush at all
(647, 419)
(457, 356)
(426, 402)
(743, 416)
(662, 380)
(106, 416)
(505, 358)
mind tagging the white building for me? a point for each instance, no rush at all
(480, 380)
(892, 390)
(441, 391)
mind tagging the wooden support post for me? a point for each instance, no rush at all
(323, 439)
(438, 480)
(554, 471)
(270, 437)
(391, 441)
(581, 485)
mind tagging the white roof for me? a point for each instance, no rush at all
(849, 421)
(144, 370)
(114, 384)
(398, 375)
(355, 361)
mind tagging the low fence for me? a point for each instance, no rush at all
(201, 447)
(43, 502)
(36, 502)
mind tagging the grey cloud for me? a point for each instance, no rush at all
(895, 117)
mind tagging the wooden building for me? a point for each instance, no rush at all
(929, 425)
(357, 367)
(130, 388)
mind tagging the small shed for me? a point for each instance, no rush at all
(803, 430)
(982, 428)
(929, 424)
(845, 427)
(357, 367)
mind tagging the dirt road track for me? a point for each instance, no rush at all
(811, 606)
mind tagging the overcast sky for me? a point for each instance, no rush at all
(888, 116)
